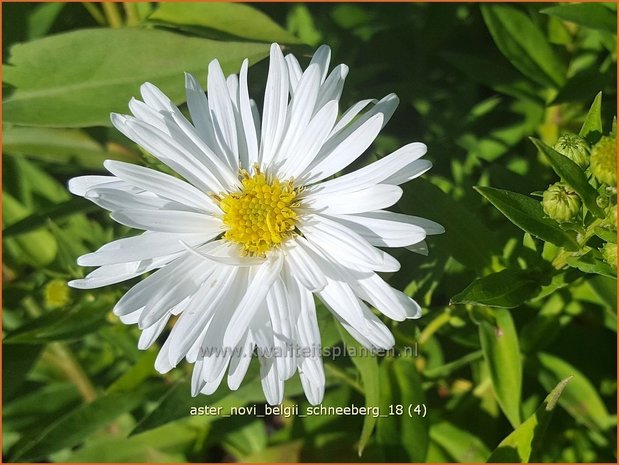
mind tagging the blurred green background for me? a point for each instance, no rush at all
(508, 314)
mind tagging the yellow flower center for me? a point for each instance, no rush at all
(261, 215)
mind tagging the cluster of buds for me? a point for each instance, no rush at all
(563, 204)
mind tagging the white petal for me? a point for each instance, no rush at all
(322, 58)
(299, 113)
(341, 242)
(192, 323)
(382, 231)
(332, 87)
(254, 296)
(310, 142)
(279, 313)
(162, 184)
(199, 111)
(168, 221)
(112, 274)
(223, 252)
(143, 247)
(272, 384)
(294, 71)
(222, 113)
(404, 159)
(303, 267)
(334, 157)
(239, 363)
(421, 248)
(413, 171)
(275, 105)
(150, 334)
(372, 198)
(389, 301)
(249, 129)
(351, 114)
(80, 185)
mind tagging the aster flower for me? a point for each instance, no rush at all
(256, 226)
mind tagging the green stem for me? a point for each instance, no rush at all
(436, 324)
(112, 14)
(132, 13)
(336, 372)
(61, 357)
(95, 13)
(561, 259)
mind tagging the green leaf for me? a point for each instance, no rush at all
(135, 376)
(37, 248)
(404, 438)
(75, 426)
(63, 146)
(63, 83)
(54, 213)
(523, 444)
(528, 215)
(499, 344)
(506, 289)
(592, 128)
(573, 175)
(591, 15)
(368, 370)
(581, 399)
(235, 19)
(62, 324)
(592, 262)
(522, 42)
(16, 363)
(461, 445)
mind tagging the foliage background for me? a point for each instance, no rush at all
(474, 82)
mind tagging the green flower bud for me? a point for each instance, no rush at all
(604, 160)
(575, 148)
(611, 216)
(609, 252)
(56, 293)
(560, 202)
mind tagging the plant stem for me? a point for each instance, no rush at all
(132, 13)
(58, 355)
(436, 324)
(95, 13)
(561, 259)
(112, 14)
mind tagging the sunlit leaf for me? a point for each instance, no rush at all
(592, 126)
(60, 82)
(523, 443)
(528, 215)
(499, 344)
(235, 19)
(521, 41)
(592, 15)
(506, 288)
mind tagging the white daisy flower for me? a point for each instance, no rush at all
(256, 226)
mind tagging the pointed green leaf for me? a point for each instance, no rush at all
(524, 44)
(235, 19)
(591, 15)
(60, 82)
(528, 215)
(592, 126)
(62, 146)
(581, 399)
(522, 445)
(75, 426)
(461, 445)
(404, 438)
(573, 175)
(499, 344)
(506, 289)
(368, 370)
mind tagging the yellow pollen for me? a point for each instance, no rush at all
(261, 215)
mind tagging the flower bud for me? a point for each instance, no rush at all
(609, 252)
(56, 293)
(575, 148)
(560, 202)
(604, 160)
